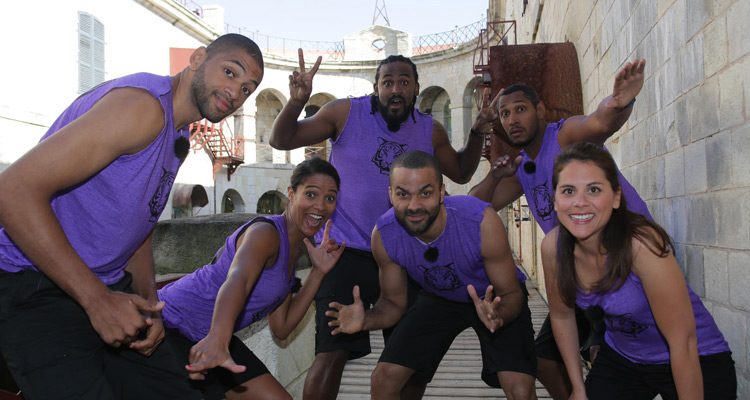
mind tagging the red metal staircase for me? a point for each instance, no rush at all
(223, 146)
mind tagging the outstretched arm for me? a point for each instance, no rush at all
(562, 317)
(287, 132)
(131, 119)
(285, 318)
(460, 165)
(500, 187)
(667, 295)
(387, 310)
(612, 112)
(505, 306)
(257, 248)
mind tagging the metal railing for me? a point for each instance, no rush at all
(192, 6)
(285, 47)
(448, 39)
(334, 51)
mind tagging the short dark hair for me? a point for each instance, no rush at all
(313, 166)
(416, 159)
(232, 41)
(527, 91)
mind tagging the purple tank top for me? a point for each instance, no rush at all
(191, 299)
(459, 261)
(363, 154)
(108, 216)
(631, 328)
(537, 186)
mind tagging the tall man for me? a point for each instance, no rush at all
(79, 316)
(453, 247)
(366, 134)
(522, 117)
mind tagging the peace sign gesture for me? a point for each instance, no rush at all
(300, 82)
(488, 115)
(325, 256)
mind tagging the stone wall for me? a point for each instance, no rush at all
(685, 147)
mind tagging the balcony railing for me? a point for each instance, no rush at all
(448, 39)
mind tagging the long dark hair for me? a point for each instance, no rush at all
(617, 235)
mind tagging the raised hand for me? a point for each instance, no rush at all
(300, 82)
(327, 254)
(487, 309)
(628, 84)
(347, 319)
(503, 167)
(209, 353)
(117, 317)
(488, 114)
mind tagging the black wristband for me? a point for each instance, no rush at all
(628, 105)
(475, 133)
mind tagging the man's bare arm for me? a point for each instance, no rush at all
(287, 132)
(124, 121)
(612, 112)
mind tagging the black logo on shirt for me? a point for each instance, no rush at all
(442, 278)
(625, 324)
(543, 201)
(157, 203)
(386, 153)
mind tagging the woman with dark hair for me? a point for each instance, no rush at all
(660, 339)
(250, 277)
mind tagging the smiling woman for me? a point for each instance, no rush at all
(603, 255)
(252, 277)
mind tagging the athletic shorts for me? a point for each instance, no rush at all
(53, 351)
(219, 380)
(428, 328)
(355, 267)
(614, 377)
(546, 347)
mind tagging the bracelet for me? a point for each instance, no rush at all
(475, 133)
(628, 105)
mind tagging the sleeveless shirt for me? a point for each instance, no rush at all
(107, 216)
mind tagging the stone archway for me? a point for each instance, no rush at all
(188, 200)
(272, 202)
(436, 101)
(232, 202)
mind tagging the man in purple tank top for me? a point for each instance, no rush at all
(367, 133)
(79, 314)
(455, 247)
(522, 117)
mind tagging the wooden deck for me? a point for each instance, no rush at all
(458, 376)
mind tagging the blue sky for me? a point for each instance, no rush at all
(331, 20)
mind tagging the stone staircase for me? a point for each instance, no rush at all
(458, 376)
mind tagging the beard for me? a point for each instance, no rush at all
(523, 143)
(422, 226)
(394, 119)
(203, 98)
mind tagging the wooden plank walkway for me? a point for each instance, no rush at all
(458, 376)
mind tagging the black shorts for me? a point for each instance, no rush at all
(546, 347)
(614, 377)
(428, 328)
(355, 267)
(53, 351)
(219, 380)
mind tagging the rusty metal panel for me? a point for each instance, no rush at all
(550, 68)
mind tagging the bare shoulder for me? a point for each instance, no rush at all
(549, 243)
